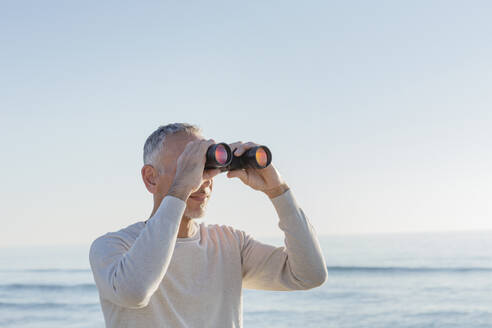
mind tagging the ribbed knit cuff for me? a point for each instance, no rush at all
(174, 207)
(285, 204)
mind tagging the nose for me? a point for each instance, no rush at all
(206, 183)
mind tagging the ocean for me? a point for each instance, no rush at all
(380, 280)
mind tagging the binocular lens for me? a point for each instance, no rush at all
(218, 155)
(261, 157)
(221, 155)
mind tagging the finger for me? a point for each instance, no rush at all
(204, 144)
(235, 145)
(244, 147)
(195, 145)
(189, 145)
(209, 174)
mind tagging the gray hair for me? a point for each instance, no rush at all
(154, 143)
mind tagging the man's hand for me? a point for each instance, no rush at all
(190, 169)
(267, 180)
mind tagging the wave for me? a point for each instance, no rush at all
(48, 287)
(374, 269)
(396, 269)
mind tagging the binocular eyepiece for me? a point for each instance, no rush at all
(220, 156)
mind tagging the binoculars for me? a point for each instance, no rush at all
(220, 156)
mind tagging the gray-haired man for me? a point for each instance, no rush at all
(170, 271)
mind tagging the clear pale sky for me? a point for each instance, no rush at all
(378, 114)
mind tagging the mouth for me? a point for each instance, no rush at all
(199, 197)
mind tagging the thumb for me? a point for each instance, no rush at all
(209, 174)
(241, 174)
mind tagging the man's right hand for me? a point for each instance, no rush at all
(190, 169)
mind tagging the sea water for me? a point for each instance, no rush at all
(387, 280)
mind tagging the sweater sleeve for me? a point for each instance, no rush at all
(297, 265)
(128, 275)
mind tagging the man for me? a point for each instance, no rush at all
(170, 271)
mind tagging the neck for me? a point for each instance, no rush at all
(185, 227)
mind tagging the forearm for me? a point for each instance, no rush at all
(130, 278)
(302, 246)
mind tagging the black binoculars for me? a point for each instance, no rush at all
(220, 156)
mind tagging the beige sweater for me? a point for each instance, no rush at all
(147, 277)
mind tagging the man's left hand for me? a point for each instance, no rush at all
(267, 180)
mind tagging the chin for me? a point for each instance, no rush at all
(194, 213)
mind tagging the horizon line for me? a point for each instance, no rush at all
(341, 234)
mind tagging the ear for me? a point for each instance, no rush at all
(149, 177)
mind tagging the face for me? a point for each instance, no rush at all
(173, 147)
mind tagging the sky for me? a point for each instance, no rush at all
(378, 114)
